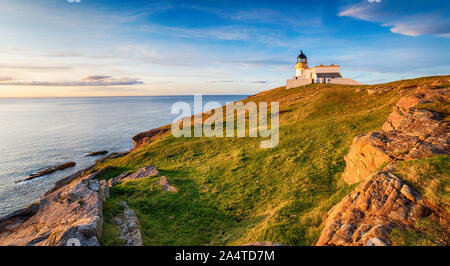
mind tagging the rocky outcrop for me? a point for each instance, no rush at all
(50, 170)
(143, 172)
(148, 137)
(368, 214)
(382, 202)
(114, 181)
(164, 183)
(113, 155)
(70, 213)
(96, 153)
(409, 133)
(128, 224)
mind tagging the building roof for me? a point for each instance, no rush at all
(329, 75)
(301, 55)
(332, 65)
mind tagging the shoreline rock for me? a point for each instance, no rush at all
(96, 153)
(49, 170)
(113, 155)
(69, 213)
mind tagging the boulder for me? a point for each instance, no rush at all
(104, 190)
(96, 153)
(113, 181)
(113, 155)
(164, 183)
(128, 224)
(143, 172)
(50, 170)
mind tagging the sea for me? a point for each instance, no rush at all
(36, 133)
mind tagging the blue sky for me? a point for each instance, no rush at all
(100, 48)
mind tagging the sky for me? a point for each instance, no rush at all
(72, 48)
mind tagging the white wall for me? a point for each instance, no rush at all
(293, 83)
(345, 82)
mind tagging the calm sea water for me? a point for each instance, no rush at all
(36, 133)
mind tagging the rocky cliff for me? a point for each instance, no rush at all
(418, 127)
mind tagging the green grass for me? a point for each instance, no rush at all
(232, 192)
(430, 177)
(426, 233)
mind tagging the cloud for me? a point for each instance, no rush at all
(224, 33)
(87, 81)
(238, 81)
(35, 67)
(259, 62)
(404, 17)
(95, 78)
(5, 78)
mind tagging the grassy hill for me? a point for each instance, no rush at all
(230, 191)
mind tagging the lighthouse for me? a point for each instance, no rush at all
(302, 64)
(318, 74)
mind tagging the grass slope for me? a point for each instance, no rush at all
(233, 192)
(430, 177)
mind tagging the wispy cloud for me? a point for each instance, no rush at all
(239, 81)
(87, 81)
(35, 67)
(5, 78)
(403, 17)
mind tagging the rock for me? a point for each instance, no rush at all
(113, 155)
(375, 241)
(50, 170)
(164, 183)
(114, 181)
(66, 180)
(104, 190)
(369, 218)
(407, 192)
(366, 155)
(143, 172)
(409, 133)
(16, 218)
(148, 137)
(96, 153)
(70, 213)
(382, 202)
(128, 224)
(94, 185)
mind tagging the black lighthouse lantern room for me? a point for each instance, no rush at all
(301, 58)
